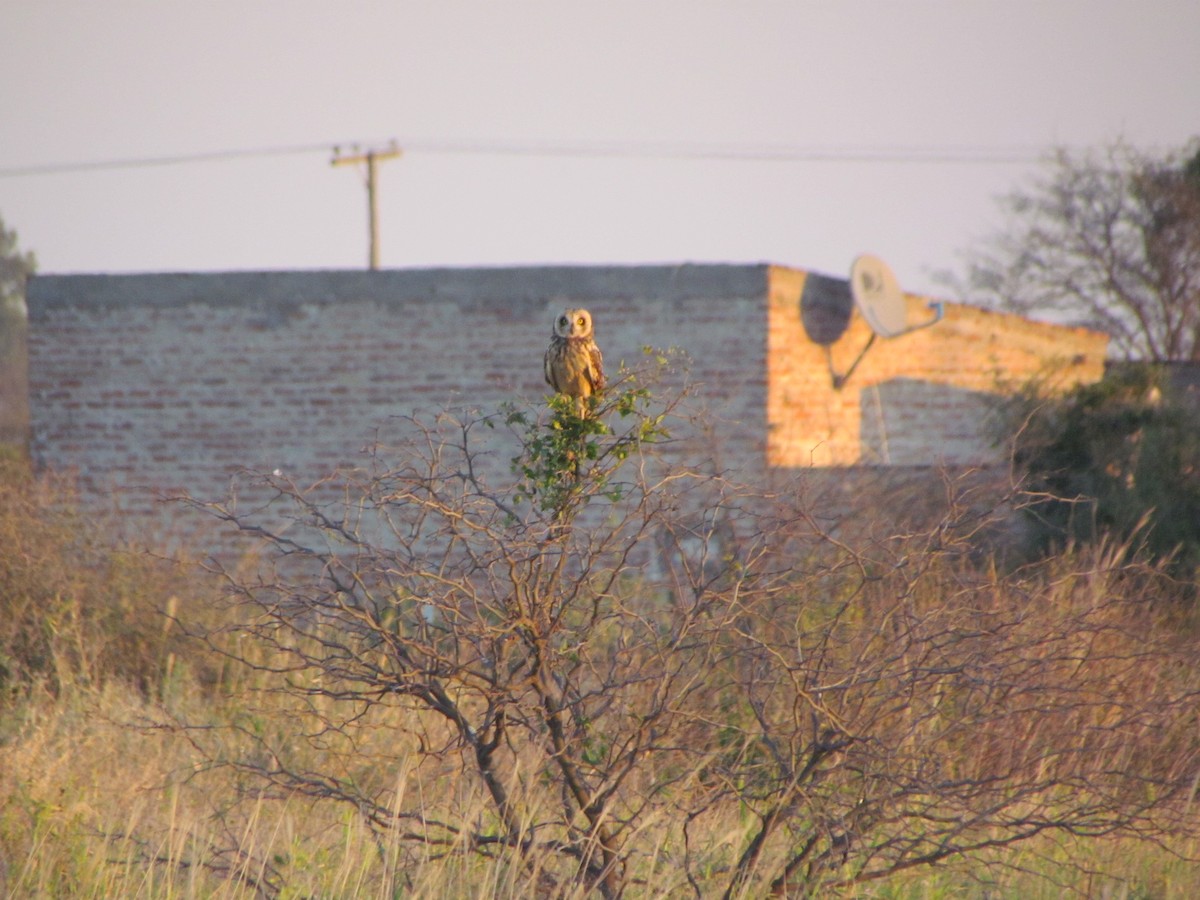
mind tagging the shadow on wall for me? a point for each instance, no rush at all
(894, 424)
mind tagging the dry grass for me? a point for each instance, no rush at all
(95, 806)
(131, 760)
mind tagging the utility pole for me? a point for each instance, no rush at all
(371, 157)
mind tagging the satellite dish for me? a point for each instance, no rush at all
(875, 291)
(878, 296)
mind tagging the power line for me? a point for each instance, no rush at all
(663, 150)
(142, 162)
(734, 152)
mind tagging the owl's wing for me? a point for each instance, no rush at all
(548, 367)
(596, 369)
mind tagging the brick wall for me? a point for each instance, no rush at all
(915, 400)
(153, 384)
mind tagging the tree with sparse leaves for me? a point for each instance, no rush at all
(1109, 240)
(15, 269)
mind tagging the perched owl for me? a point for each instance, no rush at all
(573, 364)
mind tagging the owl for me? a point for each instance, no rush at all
(573, 364)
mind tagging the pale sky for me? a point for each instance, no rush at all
(891, 126)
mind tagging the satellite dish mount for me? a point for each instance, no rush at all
(879, 299)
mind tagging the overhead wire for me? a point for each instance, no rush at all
(141, 162)
(731, 152)
(631, 150)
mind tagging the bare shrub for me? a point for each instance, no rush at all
(613, 672)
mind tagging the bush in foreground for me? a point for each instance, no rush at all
(612, 672)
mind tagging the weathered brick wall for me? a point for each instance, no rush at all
(149, 385)
(919, 399)
(153, 384)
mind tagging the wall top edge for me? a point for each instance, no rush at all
(512, 284)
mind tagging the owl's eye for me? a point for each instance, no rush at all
(579, 321)
(562, 322)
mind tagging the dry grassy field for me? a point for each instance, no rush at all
(622, 681)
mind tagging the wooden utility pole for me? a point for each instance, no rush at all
(370, 157)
